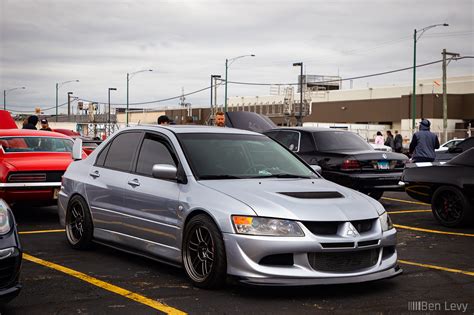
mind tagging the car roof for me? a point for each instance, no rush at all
(30, 133)
(178, 129)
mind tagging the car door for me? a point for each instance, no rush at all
(108, 181)
(152, 204)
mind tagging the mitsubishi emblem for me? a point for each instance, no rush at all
(351, 230)
(384, 156)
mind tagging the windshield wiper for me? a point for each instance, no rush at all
(221, 176)
(283, 175)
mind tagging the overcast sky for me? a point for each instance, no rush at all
(184, 42)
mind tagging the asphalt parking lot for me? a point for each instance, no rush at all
(437, 262)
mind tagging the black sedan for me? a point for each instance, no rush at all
(345, 158)
(454, 151)
(449, 187)
(10, 255)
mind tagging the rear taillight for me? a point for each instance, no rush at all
(350, 165)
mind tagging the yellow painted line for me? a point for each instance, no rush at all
(407, 211)
(407, 201)
(106, 286)
(41, 231)
(468, 273)
(431, 231)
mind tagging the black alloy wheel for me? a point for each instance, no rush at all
(203, 253)
(79, 228)
(451, 207)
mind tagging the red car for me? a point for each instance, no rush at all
(88, 144)
(32, 163)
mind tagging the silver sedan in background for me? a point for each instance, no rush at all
(222, 201)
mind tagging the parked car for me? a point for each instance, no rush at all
(381, 147)
(448, 187)
(88, 144)
(31, 165)
(455, 150)
(448, 144)
(222, 201)
(10, 255)
(345, 158)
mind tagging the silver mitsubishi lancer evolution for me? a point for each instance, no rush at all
(224, 202)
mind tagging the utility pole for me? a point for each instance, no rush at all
(445, 93)
(299, 118)
(213, 83)
(69, 105)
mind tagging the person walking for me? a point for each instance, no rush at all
(389, 140)
(398, 142)
(32, 122)
(424, 143)
(379, 138)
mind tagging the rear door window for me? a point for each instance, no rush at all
(122, 151)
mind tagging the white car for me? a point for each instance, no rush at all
(448, 144)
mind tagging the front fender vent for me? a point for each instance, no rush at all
(313, 194)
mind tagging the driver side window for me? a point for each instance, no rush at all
(154, 150)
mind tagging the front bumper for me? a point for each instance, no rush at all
(367, 181)
(10, 264)
(41, 192)
(246, 253)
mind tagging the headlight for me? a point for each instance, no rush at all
(5, 224)
(266, 226)
(386, 222)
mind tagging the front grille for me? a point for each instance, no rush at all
(8, 269)
(322, 228)
(27, 177)
(343, 261)
(330, 228)
(363, 225)
(338, 245)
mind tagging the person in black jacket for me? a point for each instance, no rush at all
(32, 122)
(398, 142)
(424, 143)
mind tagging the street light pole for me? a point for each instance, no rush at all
(416, 37)
(5, 95)
(58, 85)
(299, 121)
(129, 77)
(228, 62)
(108, 111)
(445, 92)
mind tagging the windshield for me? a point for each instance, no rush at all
(340, 141)
(225, 156)
(35, 144)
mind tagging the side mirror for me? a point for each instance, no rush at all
(317, 168)
(164, 171)
(455, 150)
(77, 150)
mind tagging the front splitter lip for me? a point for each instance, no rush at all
(275, 281)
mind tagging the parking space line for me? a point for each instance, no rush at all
(468, 273)
(431, 231)
(106, 286)
(407, 211)
(407, 201)
(41, 231)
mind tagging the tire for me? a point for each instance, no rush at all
(450, 207)
(203, 253)
(376, 194)
(79, 227)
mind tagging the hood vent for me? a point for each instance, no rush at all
(314, 194)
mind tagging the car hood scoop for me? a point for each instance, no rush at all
(313, 194)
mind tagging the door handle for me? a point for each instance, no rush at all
(134, 182)
(94, 174)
